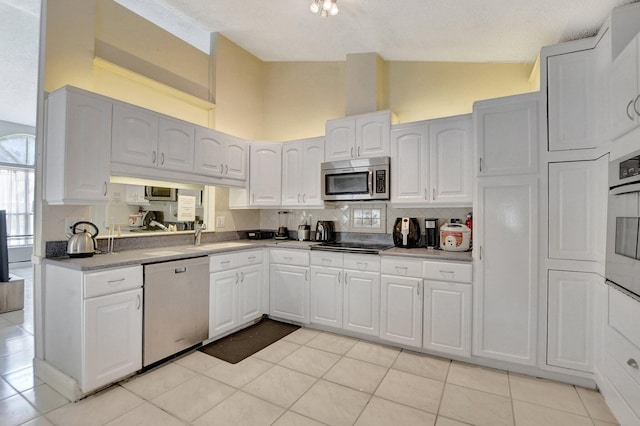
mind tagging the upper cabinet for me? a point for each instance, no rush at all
(359, 136)
(624, 90)
(220, 155)
(78, 141)
(176, 143)
(301, 162)
(265, 174)
(432, 162)
(507, 135)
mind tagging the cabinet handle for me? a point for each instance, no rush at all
(221, 168)
(153, 157)
(631, 117)
(446, 272)
(418, 288)
(118, 281)
(351, 152)
(298, 198)
(402, 268)
(425, 194)
(480, 252)
(180, 270)
(139, 302)
(433, 192)
(105, 188)
(304, 198)
(226, 169)
(241, 277)
(339, 276)
(358, 151)
(287, 258)
(360, 265)
(345, 279)
(632, 363)
(635, 105)
(251, 258)
(237, 278)
(225, 262)
(480, 164)
(306, 275)
(161, 158)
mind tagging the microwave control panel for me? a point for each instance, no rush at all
(630, 167)
(381, 181)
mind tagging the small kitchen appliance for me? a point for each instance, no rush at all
(82, 242)
(283, 232)
(432, 233)
(304, 232)
(357, 179)
(406, 232)
(325, 231)
(455, 237)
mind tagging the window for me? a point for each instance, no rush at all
(17, 177)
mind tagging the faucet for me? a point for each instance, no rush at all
(198, 234)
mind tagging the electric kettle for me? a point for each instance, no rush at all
(82, 243)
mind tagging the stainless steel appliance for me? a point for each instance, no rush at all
(283, 232)
(406, 232)
(304, 232)
(176, 307)
(352, 247)
(359, 179)
(432, 233)
(82, 242)
(159, 193)
(325, 231)
(622, 268)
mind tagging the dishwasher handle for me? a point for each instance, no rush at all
(181, 270)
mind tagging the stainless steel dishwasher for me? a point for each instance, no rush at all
(176, 307)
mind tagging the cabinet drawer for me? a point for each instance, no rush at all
(223, 262)
(251, 257)
(362, 262)
(289, 257)
(403, 267)
(623, 352)
(626, 387)
(621, 309)
(327, 258)
(448, 271)
(112, 281)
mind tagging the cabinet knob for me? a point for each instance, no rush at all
(632, 363)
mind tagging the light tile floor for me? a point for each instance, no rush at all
(307, 378)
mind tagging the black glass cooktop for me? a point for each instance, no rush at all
(353, 247)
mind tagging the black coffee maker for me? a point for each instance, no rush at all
(432, 231)
(406, 232)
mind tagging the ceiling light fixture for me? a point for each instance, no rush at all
(324, 7)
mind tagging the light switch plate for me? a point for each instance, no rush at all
(221, 222)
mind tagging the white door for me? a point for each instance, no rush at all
(236, 153)
(112, 338)
(312, 158)
(325, 301)
(506, 288)
(209, 158)
(447, 318)
(265, 176)
(372, 135)
(451, 157)
(292, 173)
(340, 137)
(507, 135)
(570, 324)
(401, 310)
(572, 100)
(361, 302)
(176, 143)
(135, 136)
(249, 294)
(410, 172)
(223, 296)
(289, 292)
(623, 89)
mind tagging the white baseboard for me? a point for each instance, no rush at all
(65, 385)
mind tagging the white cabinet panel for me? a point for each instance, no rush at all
(624, 88)
(292, 153)
(362, 302)
(358, 136)
(340, 137)
(505, 242)
(401, 310)
(571, 320)
(326, 296)
(265, 178)
(176, 143)
(250, 294)
(289, 292)
(312, 158)
(410, 157)
(135, 136)
(220, 155)
(447, 317)
(223, 306)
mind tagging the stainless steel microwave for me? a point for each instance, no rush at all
(359, 179)
(158, 193)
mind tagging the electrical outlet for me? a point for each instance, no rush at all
(221, 221)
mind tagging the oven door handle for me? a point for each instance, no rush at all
(371, 182)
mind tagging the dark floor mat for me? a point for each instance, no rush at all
(244, 343)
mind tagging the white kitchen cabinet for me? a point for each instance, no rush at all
(571, 321)
(358, 136)
(220, 155)
(361, 302)
(577, 210)
(624, 90)
(235, 290)
(572, 100)
(506, 130)
(301, 162)
(176, 144)
(93, 324)
(78, 143)
(134, 194)
(506, 286)
(435, 159)
(289, 285)
(265, 176)
(134, 136)
(326, 294)
(447, 317)
(401, 304)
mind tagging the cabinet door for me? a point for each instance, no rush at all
(362, 302)
(451, 157)
(265, 177)
(372, 135)
(135, 136)
(325, 303)
(209, 156)
(176, 143)
(572, 101)
(250, 294)
(112, 338)
(401, 310)
(577, 205)
(289, 292)
(236, 153)
(312, 158)
(223, 296)
(507, 135)
(292, 173)
(340, 139)
(410, 175)
(570, 324)
(447, 318)
(505, 243)
(623, 89)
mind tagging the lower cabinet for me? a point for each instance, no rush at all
(401, 310)
(289, 285)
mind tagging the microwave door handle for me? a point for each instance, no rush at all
(371, 182)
